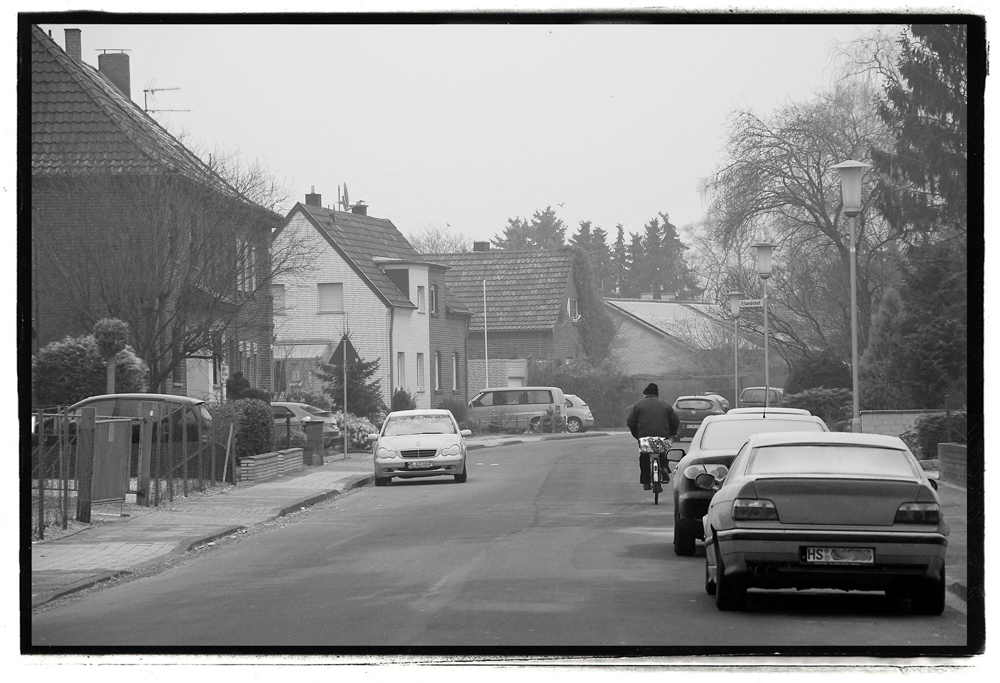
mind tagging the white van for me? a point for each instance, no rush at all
(517, 408)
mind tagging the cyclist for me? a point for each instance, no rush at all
(651, 417)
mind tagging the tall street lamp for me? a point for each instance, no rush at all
(734, 309)
(764, 270)
(850, 188)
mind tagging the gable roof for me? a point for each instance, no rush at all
(670, 318)
(525, 290)
(82, 124)
(363, 242)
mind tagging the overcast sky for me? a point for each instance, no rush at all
(469, 125)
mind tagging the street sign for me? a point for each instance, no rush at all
(751, 303)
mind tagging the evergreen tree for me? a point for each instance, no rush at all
(650, 266)
(544, 231)
(619, 263)
(602, 259)
(364, 394)
(880, 388)
(583, 237)
(678, 276)
(633, 260)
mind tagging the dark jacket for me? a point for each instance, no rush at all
(653, 417)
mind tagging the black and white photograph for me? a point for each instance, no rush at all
(619, 340)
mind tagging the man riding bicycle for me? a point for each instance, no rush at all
(651, 417)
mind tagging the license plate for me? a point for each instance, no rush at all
(814, 555)
(419, 465)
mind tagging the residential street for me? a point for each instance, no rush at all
(551, 543)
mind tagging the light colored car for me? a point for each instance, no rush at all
(772, 410)
(419, 443)
(753, 397)
(715, 443)
(839, 510)
(517, 408)
(297, 414)
(578, 415)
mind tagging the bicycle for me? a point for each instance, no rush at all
(658, 474)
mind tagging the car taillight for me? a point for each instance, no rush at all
(918, 513)
(754, 510)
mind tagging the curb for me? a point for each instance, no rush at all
(551, 437)
(194, 542)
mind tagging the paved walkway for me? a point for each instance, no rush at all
(121, 545)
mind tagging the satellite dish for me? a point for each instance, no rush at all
(347, 200)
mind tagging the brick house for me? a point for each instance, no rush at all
(368, 281)
(127, 222)
(531, 310)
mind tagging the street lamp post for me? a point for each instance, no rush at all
(764, 270)
(850, 187)
(734, 309)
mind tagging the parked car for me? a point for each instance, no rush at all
(840, 510)
(693, 409)
(174, 409)
(723, 401)
(753, 397)
(520, 408)
(578, 415)
(715, 443)
(772, 411)
(297, 414)
(419, 443)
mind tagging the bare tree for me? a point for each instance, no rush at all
(184, 259)
(434, 240)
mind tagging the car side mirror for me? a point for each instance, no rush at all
(372, 437)
(675, 454)
(466, 432)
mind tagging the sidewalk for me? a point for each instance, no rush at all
(123, 545)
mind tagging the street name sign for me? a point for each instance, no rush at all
(751, 303)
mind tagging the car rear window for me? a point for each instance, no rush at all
(694, 404)
(401, 425)
(832, 459)
(313, 410)
(539, 396)
(730, 434)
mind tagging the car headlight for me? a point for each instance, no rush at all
(918, 513)
(754, 510)
(453, 449)
(384, 452)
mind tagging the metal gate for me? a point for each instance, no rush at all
(112, 455)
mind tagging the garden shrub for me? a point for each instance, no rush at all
(254, 422)
(458, 409)
(300, 396)
(358, 429)
(932, 429)
(72, 369)
(258, 394)
(833, 406)
(403, 400)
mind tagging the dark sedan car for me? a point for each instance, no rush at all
(693, 409)
(825, 511)
(716, 443)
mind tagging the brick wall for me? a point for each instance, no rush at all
(447, 338)
(501, 370)
(266, 466)
(953, 460)
(890, 422)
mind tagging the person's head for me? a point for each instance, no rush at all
(651, 390)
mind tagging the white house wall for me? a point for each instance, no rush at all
(365, 314)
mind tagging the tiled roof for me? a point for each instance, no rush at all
(81, 123)
(362, 239)
(525, 290)
(453, 303)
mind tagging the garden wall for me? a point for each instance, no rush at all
(890, 422)
(953, 458)
(266, 466)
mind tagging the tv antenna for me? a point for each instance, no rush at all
(149, 93)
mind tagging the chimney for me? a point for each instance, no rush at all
(480, 246)
(313, 199)
(74, 47)
(114, 66)
(360, 209)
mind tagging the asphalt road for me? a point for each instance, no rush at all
(549, 544)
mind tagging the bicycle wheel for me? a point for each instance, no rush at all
(654, 463)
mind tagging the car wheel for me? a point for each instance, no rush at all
(929, 597)
(730, 592)
(462, 478)
(573, 425)
(382, 481)
(683, 540)
(709, 584)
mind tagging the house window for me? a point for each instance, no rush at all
(420, 300)
(572, 309)
(434, 298)
(437, 363)
(400, 369)
(420, 372)
(246, 266)
(278, 299)
(454, 371)
(330, 297)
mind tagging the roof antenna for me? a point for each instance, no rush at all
(149, 93)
